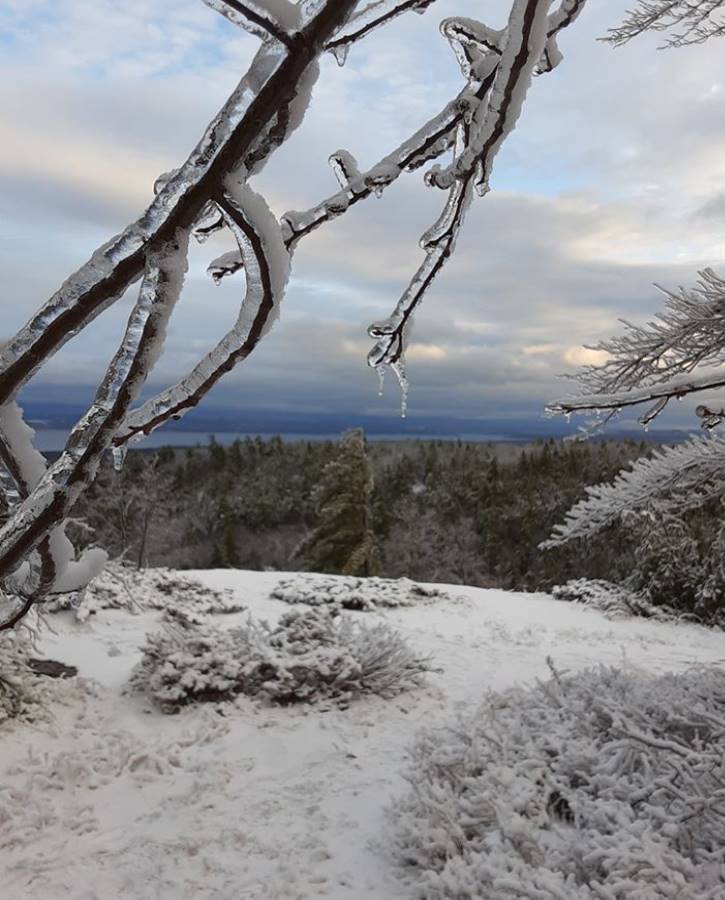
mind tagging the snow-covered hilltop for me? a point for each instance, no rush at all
(111, 798)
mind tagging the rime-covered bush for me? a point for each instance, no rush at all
(181, 597)
(308, 656)
(18, 693)
(612, 599)
(604, 784)
(354, 593)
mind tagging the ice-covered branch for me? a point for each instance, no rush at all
(434, 138)
(262, 18)
(688, 21)
(265, 260)
(495, 117)
(504, 62)
(208, 193)
(685, 475)
(372, 16)
(26, 466)
(266, 90)
(261, 113)
(49, 502)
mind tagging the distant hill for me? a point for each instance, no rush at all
(219, 419)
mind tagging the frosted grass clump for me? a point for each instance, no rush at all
(180, 597)
(355, 593)
(606, 784)
(307, 657)
(611, 599)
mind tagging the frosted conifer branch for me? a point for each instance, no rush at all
(688, 21)
(678, 477)
(653, 363)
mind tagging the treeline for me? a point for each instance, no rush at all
(439, 510)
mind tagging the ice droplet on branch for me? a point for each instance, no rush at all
(119, 455)
(340, 52)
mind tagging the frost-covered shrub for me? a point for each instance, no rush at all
(308, 656)
(354, 593)
(18, 692)
(611, 599)
(181, 597)
(605, 784)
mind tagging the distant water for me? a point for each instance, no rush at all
(51, 440)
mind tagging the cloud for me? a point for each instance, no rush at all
(584, 356)
(605, 187)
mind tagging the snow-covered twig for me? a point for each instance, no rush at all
(689, 21)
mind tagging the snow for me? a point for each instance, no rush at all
(113, 799)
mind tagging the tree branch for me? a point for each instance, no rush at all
(257, 18)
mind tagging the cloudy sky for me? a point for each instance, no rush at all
(612, 180)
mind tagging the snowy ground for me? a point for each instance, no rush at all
(114, 800)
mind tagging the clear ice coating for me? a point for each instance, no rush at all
(104, 262)
(402, 376)
(497, 114)
(340, 52)
(266, 261)
(119, 456)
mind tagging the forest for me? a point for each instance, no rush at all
(438, 511)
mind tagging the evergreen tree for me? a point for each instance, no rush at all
(343, 541)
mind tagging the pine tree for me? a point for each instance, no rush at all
(343, 541)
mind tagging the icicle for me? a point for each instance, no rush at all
(381, 380)
(567, 417)
(400, 373)
(653, 412)
(119, 456)
(340, 52)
